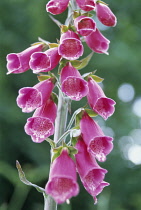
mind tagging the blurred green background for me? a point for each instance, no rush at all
(21, 23)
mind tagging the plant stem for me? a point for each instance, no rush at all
(60, 127)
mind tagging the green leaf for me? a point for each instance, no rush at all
(25, 181)
(85, 61)
(97, 78)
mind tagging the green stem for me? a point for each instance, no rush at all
(60, 127)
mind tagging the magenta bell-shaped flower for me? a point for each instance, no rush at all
(30, 98)
(105, 15)
(86, 5)
(62, 184)
(98, 101)
(70, 46)
(44, 61)
(41, 124)
(97, 143)
(91, 174)
(72, 83)
(97, 42)
(84, 25)
(57, 6)
(19, 62)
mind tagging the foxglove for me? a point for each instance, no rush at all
(44, 61)
(62, 183)
(97, 143)
(84, 25)
(73, 85)
(57, 6)
(98, 101)
(41, 124)
(91, 174)
(70, 46)
(31, 98)
(97, 42)
(86, 5)
(19, 62)
(105, 15)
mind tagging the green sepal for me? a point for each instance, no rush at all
(25, 181)
(63, 63)
(53, 45)
(74, 140)
(102, 2)
(72, 28)
(64, 28)
(97, 78)
(42, 77)
(91, 113)
(51, 142)
(87, 14)
(36, 43)
(76, 14)
(78, 118)
(85, 61)
(54, 97)
(76, 63)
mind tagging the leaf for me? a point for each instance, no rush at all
(24, 180)
(85, 61)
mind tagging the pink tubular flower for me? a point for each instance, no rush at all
(84, 25)
(97, 42)
(62, 183)
(97, 143)
(105, 15)
(40, 125)
(73, 85)
(44, 61)
(91, 174)
(19, 62)
(70, 46)
(31, 98)
(98, 101)
(86, 5)
(57, 6)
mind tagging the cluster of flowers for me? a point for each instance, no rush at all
(91, 144)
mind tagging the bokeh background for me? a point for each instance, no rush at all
(21, 23)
